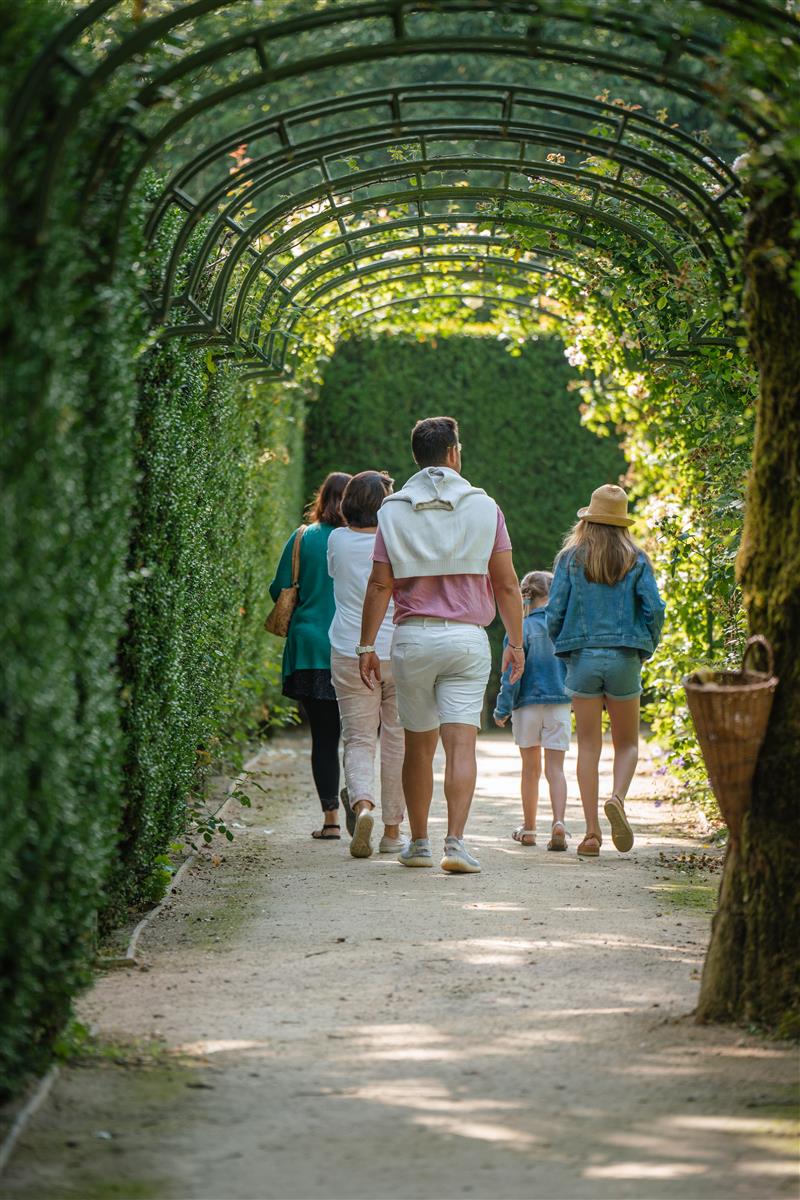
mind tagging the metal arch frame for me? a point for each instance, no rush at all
(412, 196)
(620, 20)
(277, 367)
(477, 262)
(399, 271)
(268, 170)
(296, 308)
(388, 250)
(507, 95)
(394, 13)
(668, 74)
(278, 360)
(508, 125)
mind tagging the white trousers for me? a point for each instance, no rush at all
(366, 716)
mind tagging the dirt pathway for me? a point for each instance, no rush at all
(315, 1026)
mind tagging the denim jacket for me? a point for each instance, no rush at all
(542, 681)
(625, 614)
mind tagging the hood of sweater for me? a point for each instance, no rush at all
(435, 487)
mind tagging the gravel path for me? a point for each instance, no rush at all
(313, 1026)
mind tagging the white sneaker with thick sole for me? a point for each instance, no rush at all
(457, 858)
(389, 845)
(416, 854)
(361, 843)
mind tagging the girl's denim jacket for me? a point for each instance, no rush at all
(542, 681)
(625, 614)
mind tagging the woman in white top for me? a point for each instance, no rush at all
(365, 714)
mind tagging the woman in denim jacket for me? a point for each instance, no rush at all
(605, 617)
(540, 716)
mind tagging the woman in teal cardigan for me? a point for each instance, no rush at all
(307, 654)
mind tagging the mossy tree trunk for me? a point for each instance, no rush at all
(751, 972)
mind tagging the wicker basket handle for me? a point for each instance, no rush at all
(758, 639)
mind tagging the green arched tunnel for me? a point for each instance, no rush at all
(203, 200)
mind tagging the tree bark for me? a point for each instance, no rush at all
(752, 971)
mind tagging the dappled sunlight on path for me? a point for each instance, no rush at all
(328, 1027)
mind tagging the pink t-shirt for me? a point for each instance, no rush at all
(467, 598)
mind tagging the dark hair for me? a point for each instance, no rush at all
(363, 496)
(431, 439)
(326, 507)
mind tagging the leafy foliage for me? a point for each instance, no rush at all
(140, 491)
(69, 395)
(218, 484)
(687, 426)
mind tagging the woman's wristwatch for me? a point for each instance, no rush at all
(364, 650)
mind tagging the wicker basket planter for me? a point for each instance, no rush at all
(730, 710)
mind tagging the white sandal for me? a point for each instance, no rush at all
(520, 834)
(558, 836)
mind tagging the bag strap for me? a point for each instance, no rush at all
(298, 538)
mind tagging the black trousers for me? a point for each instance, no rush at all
(323, 718)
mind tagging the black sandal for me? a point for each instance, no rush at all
(322, 836)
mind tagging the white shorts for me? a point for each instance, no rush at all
(545, 725)
(441, 669)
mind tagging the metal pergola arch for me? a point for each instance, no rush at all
(293, 153)
(500, 271)
(506, 270)
(255, 181)
(667, 55)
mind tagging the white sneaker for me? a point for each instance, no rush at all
(416, 854)
(361, 842)
(457, 857)
(389, 845)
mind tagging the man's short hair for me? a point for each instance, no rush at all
(432, 438)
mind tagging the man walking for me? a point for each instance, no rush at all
(443, 551)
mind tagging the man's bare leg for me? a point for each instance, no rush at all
(461, 772)
(418, 779)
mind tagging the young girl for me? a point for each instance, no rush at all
(605, 617)
(539, 709)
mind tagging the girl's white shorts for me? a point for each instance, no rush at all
(545, 725)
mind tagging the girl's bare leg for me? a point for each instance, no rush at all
(589, 731)
(624, 717)
(531, 770)
(557, 782)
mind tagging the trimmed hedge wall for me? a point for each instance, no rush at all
(143, 500)
(520, 428)
(218, 486)
(68, 403)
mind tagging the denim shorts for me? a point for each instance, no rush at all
(613, 671)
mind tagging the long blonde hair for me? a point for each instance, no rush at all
(606, 552)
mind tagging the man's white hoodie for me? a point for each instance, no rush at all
(438, 524)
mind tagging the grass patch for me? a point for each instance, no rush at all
(698, 895)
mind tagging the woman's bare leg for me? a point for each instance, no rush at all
(624, 717)
(589, 731)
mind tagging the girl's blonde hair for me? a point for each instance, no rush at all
(535, 586)
(606, 552)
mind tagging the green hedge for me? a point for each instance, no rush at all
(143, 498)
(519, 421)
(68, 403)
(218, 486)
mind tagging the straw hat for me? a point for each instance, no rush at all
(609, 506)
